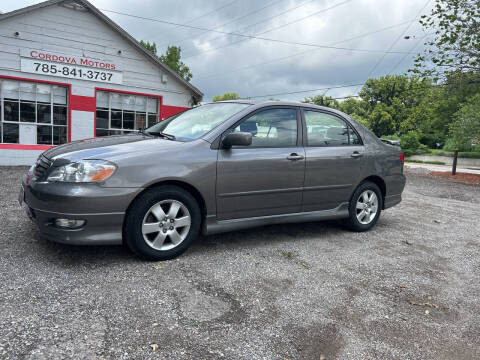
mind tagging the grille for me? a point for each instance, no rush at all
(41, 167)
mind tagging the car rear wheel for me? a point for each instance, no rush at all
(365, 207)
(162, 223)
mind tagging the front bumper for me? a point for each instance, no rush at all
(103, 210)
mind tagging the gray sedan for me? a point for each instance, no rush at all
(214, 168)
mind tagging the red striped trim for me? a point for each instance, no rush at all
(83, 103)
(25, 147)
(167, 110)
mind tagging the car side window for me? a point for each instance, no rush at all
(271, 128)
(354, 140)
(328, 130)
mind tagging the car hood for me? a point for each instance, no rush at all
(110, 147)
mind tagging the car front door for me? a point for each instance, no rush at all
(334, 153)
(266, 177)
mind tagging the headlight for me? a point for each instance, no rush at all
(83, 171)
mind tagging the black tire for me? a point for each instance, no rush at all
(352, 222)
(132, 232)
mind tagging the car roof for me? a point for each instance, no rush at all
(260, 104)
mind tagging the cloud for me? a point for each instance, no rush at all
(223, 70)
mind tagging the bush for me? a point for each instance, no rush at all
(450, 145)
(409, 141)
(465, 127)
(408, 152)
(422, 150)
(431, 140)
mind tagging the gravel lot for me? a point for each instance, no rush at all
(408, 289)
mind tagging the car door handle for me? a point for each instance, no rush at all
(295, 156)
(356, 154)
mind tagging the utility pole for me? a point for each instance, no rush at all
(454, 165)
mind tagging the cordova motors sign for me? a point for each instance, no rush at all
(70, 66)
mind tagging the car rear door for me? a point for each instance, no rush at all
(265, 178)
(334, 160)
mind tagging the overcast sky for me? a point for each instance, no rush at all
(254, 67)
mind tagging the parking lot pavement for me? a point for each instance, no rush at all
(408, 289)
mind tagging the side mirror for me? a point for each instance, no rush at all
(237, 139)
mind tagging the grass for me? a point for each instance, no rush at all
(461, 154)
(425, 162)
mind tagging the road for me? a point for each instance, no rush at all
(431, 167)
(408, 289)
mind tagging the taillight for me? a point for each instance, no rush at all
(402, 158)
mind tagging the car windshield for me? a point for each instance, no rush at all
(196, 122)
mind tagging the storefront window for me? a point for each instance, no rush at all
(27, 104)
(122, 113)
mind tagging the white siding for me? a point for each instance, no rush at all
(60, 29)
(82, 125)
(19, 157)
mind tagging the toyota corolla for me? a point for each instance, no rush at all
(214, 168)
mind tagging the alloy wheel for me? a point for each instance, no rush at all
(166, 224)
(367, 207)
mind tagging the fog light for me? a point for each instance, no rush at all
(69, 223)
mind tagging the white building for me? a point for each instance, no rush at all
(68, 72)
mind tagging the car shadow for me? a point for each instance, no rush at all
(71, 255)
(266, 235)
(263, 237)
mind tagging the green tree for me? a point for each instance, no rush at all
(172, 59)
(399, 96)
(356, 109)
(465, 129)
(447, 99)
(322, 100)
(380, 121)
(409, 143)
(456, 42)
(150, 47)
(226, 96)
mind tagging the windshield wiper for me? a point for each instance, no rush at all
(142, 131)
(161, 134)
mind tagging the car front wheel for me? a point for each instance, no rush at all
(365, 207)
(162, 223)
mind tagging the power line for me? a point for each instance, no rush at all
(275, 28)
(211, 12)
(396, 41)
(270, 18)
(405, 56)
(261, 38)
(301, 53)
(226, 23)
(303, 91)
